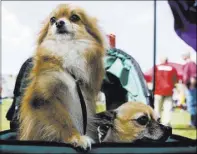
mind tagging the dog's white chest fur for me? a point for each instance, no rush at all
(74, 62)
(72, 52)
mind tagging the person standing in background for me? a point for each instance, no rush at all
(190, 81)
(189, 68)
(165, 79)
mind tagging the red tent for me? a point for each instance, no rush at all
(178, 67)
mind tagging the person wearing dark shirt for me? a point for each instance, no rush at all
(190, 81)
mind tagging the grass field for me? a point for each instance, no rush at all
(6, 103)
(180, 121)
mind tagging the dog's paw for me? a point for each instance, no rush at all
(83, 142)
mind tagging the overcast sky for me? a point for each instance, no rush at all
(130, 21)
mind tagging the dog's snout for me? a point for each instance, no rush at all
(60, 24)
(168, 129)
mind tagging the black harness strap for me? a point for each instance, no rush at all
(83, 105)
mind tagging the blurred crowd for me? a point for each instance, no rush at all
(171, 91)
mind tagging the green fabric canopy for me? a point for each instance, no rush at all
(124, 68)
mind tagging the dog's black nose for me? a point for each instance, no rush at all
(168, 129)
(60, 24)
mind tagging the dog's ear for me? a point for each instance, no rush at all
(93, 28)
(43, 32)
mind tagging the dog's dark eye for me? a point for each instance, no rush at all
(52, 20)
(142, 120)
(74, 18)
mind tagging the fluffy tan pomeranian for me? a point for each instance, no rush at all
(70, 44)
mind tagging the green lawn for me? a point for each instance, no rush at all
(180, 121)
(6, 103)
